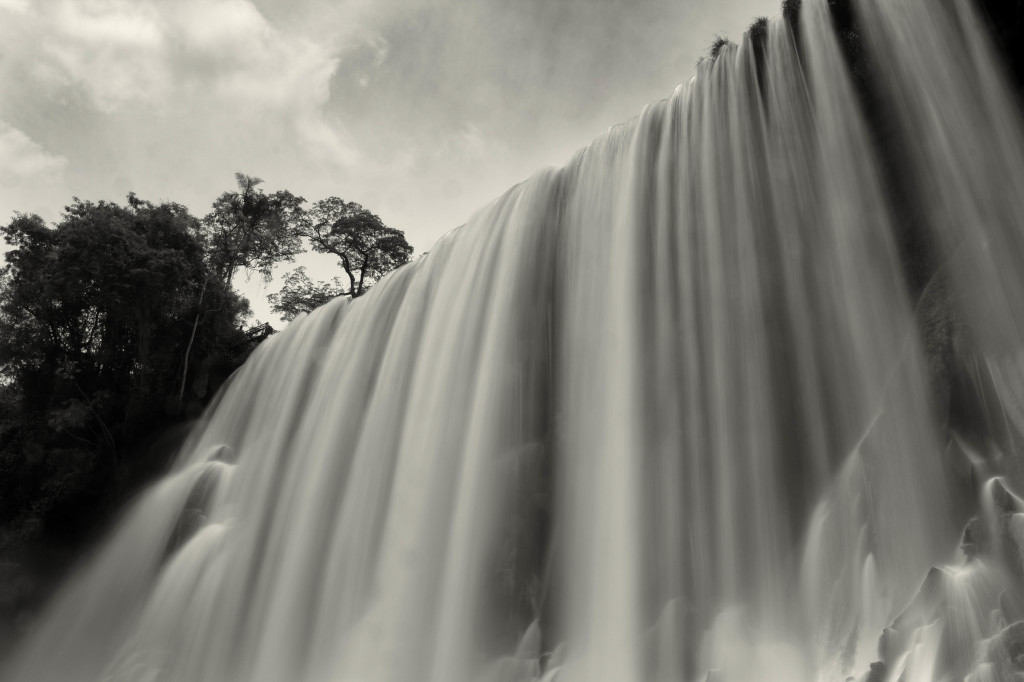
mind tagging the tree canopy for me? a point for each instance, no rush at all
(365, 247)
(96, 314)
(300, 294)
(251, 230)
(120, 321)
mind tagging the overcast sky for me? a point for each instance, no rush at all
(421, 110)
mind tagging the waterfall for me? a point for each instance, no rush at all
(714, 402)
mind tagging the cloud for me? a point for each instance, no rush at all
(29, 174)
(422, 110)
(16, 6)
(117, 56)
(112, 50)
(169, 98)
(21, 159)
(366, 54)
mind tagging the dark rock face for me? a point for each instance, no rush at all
(939, 327)
(960, 605)
(925, 607)
(1006, 653)
(975, 539)
(878, 672)
(1005, 19)
(521, 587)
(193, 515)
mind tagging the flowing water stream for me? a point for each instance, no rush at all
(680, 410)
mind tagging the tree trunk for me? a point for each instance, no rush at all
(191, 340)
(362, 275)
(351, 276)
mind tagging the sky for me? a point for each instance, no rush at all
(423, 111)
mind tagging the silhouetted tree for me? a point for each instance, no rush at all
(252, 230)
(366, 249)
(95, 316)
(300, 294)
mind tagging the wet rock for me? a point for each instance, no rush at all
(891, 644)
(529, 643)
(520, 563)
(926, 605)
(194, 514)
(189, 522)
(878, 672)
(974, 541)
(557, 657)
(1006, 652)
(1011, 608)
(963, 463)
(222, 453)
(976, 411)
(1004, 500)
(935, 318)
(925, 608)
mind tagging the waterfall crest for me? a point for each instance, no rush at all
(672, 412)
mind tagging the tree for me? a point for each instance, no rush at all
(300, 294)
(96, 314)
(366, 249)
(246, 229)
(252, 230)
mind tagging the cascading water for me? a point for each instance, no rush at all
(676, 411)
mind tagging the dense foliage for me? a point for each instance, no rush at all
(252, 230)
(95, 318)
(301, 295)
(118, 323)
